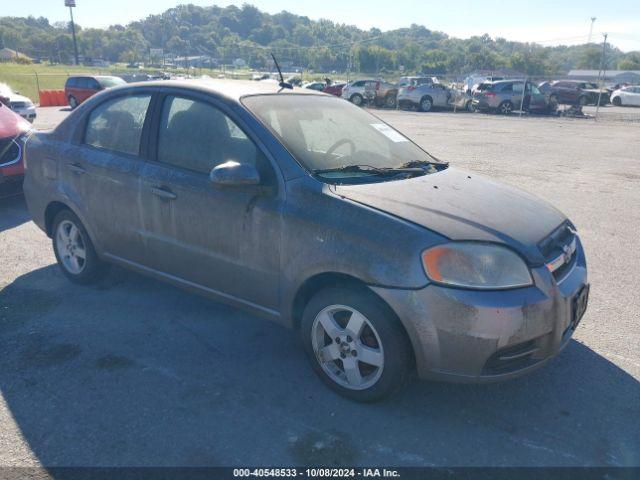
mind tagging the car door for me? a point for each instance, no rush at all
(224, 239)
(101, 173)
(633, 96)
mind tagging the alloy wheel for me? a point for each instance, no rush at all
(347, 347)
(71, 247)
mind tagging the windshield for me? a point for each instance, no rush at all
(325, 133)
(107, 82)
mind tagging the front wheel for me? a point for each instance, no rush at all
(469, 107)
(357, 99)
(355, 343)
(73, 103)
(426, 104)
(74, 250)
(390, 101)
(617, 101)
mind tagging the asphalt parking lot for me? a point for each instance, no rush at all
(136, 372)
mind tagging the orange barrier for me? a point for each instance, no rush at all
(52, 98)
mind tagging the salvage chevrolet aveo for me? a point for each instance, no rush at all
(305, 209)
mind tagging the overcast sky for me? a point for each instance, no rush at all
(543, 21)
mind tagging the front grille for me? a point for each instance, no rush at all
(560, 251)
(18, 105)
(9, 151)
(511, 359)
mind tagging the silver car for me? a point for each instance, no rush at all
(424, 96)
(20, 104)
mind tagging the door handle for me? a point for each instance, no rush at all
(163, 193)
(77, 169)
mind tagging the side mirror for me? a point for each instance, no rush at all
(234, 174)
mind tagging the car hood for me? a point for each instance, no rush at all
(464, 206)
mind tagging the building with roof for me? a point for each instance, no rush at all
(613, 76)
(8, 55)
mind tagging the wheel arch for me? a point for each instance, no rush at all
(318, 282)
(50, 213)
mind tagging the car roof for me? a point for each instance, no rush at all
(230, 89)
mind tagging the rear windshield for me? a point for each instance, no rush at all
(107, 82)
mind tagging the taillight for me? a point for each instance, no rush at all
(489, 94)
(411, 88)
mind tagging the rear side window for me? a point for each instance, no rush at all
(71, 82)
(116, 125)
(93, 84)
(198, 136)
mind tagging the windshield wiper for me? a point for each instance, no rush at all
(422, 163)
(370, 169)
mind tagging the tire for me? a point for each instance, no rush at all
(617, 101)
(469, 107)
(73, 103)
(426, 104)
(553, 102)
(70, 243)
(381, 339)
(505, 108)
(356, 99)
(390, 101)
(583, 101)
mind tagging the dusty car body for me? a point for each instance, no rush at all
(14, 132)
(289, 224)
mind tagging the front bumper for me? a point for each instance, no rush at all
(476, 336)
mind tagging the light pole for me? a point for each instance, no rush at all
(603, 70)
(71, 4)
(593, 20)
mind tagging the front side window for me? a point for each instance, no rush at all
(197, 136)
(117, 124)
(328, 133)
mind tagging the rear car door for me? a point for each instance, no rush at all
(102, 173)
(225, 239)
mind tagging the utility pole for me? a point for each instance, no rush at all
(593, 20)
(71, 4)
(603, 70)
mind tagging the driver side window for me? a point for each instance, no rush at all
(198, 136)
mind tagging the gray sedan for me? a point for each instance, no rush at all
(313, 213)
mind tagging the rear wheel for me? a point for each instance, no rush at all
(583, 101)
(390, 101)
(505, 108)
(553, 102)
(73, 103)
(469, 106)
(74, 250)
(355, 343)
(617, 101)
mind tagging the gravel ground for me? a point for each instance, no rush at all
(135, 372)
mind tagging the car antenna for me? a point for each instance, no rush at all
(283, 84)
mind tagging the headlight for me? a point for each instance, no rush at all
(476, 265)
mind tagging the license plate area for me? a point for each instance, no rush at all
(580, 302)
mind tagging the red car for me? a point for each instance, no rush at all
(80, 87)
(14, 131)
(334, 89)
